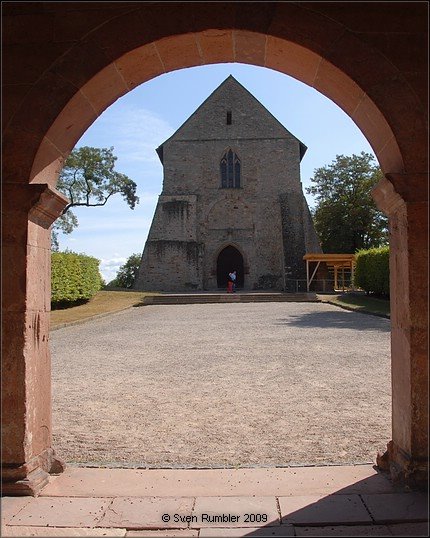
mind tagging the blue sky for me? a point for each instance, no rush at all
(137, 123)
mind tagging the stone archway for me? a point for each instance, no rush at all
(64, 63)
(230, 259)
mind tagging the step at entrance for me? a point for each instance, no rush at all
(222, 297)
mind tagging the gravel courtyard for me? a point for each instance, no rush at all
(223, 385)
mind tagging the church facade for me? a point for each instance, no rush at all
(231, 200)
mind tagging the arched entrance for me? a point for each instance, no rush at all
(88, 57)
(229, 259)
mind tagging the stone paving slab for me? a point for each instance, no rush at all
(67, 532)
(350, 479)
(314, 513)
(235, 512)
(61, 512)
(390, 508)
(10, 506)
(409, 529)
(317, 510)
(263, 532)
(147, 512)
(335, 479)
(344, 530)
(404, 529)
(164, 533)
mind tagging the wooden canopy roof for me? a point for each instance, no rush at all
(338, 260)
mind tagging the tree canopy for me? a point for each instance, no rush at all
(345, 216)
(89, 178)
(127, 273)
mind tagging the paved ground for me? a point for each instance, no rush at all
(223, 385)
(310, 501)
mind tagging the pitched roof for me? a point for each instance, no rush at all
(229, 80)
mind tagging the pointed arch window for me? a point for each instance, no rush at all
(230, 170)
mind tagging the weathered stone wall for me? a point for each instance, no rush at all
(175, 218)
(172, 258)
(268, 232)
(299, 236)
(172, 265)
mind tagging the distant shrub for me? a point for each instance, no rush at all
(372, 271)
(127, 273)
(74, 278)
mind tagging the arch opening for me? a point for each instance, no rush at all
(46, 141)
(230, 259)
(126, 73)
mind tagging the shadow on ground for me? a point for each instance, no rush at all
(338, 320)
(310, 504)
(369, 507)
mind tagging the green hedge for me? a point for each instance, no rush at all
(74, 277)
(372, 271)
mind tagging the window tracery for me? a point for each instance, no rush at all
(230, 170)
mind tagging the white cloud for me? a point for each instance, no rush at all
(133, 131)
(107, 225)
(109, 268)
(113, 262)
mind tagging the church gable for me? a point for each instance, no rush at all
(231, 199)
(231, 112)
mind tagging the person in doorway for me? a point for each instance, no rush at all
(230, 282)
(232, 277)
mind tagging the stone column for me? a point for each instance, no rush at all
(404, 200)
(28, 457)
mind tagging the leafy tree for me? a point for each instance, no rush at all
(346, 217)
(89, 178)
(127, 273)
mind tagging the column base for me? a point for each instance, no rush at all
(29, 478)
(402, 469)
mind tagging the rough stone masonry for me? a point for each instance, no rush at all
(231, 200)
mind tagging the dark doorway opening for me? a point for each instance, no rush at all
(229, 259)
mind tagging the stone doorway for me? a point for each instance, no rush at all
(229, 259)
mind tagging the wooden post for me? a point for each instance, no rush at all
(307, 275)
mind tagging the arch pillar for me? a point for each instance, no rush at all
(406, 458)
(28, 457)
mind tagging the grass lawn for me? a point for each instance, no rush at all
(359, 302)
(103, 302)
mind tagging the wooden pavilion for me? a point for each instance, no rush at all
(338, 263)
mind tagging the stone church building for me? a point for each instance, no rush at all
(231, 200)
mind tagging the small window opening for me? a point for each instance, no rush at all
(229, 117)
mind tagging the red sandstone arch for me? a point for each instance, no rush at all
(145, 62)
(64, 63)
